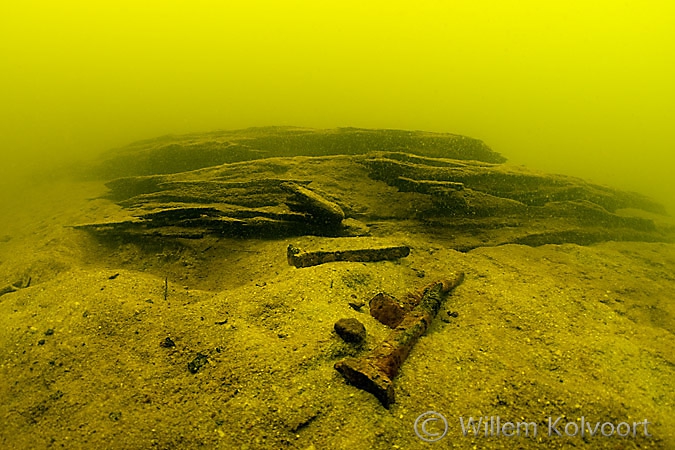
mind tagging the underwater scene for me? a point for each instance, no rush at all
(304, 225)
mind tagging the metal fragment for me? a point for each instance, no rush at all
(375, 371)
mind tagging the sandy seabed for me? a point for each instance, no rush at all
(534, 334)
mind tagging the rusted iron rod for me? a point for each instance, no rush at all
(375, 371)
(299, 258)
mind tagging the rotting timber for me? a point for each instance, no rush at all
(354, 182)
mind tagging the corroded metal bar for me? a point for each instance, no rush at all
(375, 371)
(299, 258)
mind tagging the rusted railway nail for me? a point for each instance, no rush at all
(375, 371)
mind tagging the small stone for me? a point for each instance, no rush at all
(197, 363)
(447, 316)
(357, 304)
(167, 343)
(350, 330)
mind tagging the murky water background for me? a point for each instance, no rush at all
(572, 87)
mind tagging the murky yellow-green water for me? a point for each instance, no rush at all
(583, 88)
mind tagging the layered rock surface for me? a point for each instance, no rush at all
(346, 182)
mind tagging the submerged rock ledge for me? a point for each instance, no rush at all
(279, 182)
(179, 153)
